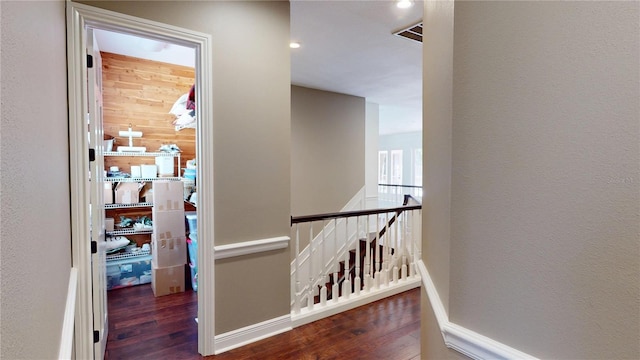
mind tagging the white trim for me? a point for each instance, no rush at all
(306, 316)
(252, 333)
(251, 247)
(66, 340)
(80, 16)
(461, 339)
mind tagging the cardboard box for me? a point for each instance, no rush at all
(108, 193)
(146, 194)
(168, 224)
(109, 224)
(167, 280)
(168, 195)
(168, 252)
(165, 165)
(149, 171)
(128, 192)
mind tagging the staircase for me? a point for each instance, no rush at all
(351, 275)
(378, 263)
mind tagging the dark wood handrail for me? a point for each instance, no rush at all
(354, 213)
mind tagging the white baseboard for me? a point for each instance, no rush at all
(307, 316)
(463, 340)
(252, 333)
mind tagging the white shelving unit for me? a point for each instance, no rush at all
(131, 231)
(175, 155)
(128, 206)
(140, 179)
(136, 154)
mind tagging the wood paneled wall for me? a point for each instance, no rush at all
(141, 93)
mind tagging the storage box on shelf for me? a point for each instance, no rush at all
(167, 195)
(132, 197)
(168, 251)
(192, 246)
(128, 270)
(154, 162)
(168, 241)
(167, 280)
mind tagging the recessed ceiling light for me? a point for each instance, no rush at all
(404, 4)
(294, 45)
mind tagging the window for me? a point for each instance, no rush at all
(383, 169)
(396, 167)
(417, 167)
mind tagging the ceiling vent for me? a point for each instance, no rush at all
(413, 32)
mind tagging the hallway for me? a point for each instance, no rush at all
(144, 327)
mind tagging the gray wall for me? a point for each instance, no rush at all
(251, 109)
(34, 180)
(545, 186)
(327, 149)
(436, 168)
(372, 128)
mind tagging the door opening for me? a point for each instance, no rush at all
(87, 188)
(148, 91)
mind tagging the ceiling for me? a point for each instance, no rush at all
(347, 47)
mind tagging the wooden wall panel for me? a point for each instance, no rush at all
(141, 93)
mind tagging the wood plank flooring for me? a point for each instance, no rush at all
(144, 327)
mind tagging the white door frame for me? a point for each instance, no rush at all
(80, 16)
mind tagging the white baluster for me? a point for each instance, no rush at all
(335, 287)
(376, 254)
(322, 274)
(396, 248)
(356, 279)
(384, 279)
(412, 255)
(310, 295)
(367, 259)
(418, 239)
(297, 295)
(346, 285)
(403, 270)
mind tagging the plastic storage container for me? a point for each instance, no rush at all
(192, 221)
(192, 247)
(194, 277)
(128, 272)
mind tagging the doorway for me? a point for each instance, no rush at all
(86, 251)
(147, 86)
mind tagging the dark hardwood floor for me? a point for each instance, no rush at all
(142, 326)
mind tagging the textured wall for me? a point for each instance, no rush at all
(251, 123)
(34, 181)
(372, 120)
(545, 208)
(141, 92)
(436, 140)
(327, 150)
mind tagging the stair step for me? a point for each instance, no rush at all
(341, 271)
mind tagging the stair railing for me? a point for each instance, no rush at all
(378, 260)
(393, 194)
